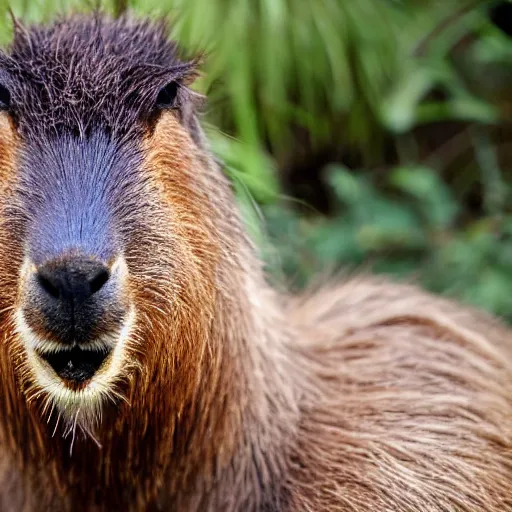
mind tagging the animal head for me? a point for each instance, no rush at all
(110, 207)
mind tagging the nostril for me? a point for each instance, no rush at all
(48, 286)
(72, 278)
(97, 281)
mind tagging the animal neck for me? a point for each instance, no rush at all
(242, 410)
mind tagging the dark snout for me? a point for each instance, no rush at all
(69, 193)
(75, 303)
(73, 192)
(73, 296)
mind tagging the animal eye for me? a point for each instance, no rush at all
(167, 96)
(5, 98)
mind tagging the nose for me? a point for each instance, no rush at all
(74, 299)
(72, 280)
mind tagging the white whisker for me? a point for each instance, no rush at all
(56, 425)
(86, 431)
(74, 433)
(51, 410)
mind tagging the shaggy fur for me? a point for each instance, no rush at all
(368, 396)
(89, 73)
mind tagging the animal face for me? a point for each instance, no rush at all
(107, 248)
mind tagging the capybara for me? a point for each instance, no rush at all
(146, 364)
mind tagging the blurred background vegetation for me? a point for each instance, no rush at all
(359, 134)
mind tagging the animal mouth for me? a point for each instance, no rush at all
(76, 365)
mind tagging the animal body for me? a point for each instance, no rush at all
(146, 365)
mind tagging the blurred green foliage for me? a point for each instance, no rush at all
(410, 230)
(398, 109)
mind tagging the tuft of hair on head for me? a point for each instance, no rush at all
(91, 86)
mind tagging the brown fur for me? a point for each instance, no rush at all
(366, 396)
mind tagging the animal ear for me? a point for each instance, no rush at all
(177, 95)
(175, 91)
(189, 104)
